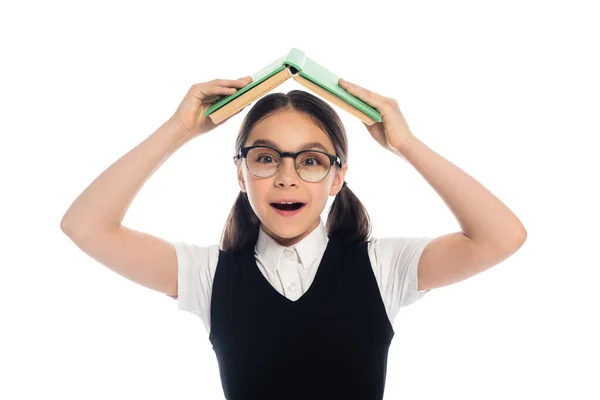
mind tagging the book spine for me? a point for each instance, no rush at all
(296, 58)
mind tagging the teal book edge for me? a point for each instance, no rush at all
(299, 63)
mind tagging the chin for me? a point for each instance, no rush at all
(285, 228)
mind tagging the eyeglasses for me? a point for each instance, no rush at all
(264, 162)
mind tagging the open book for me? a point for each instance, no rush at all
(305, 71)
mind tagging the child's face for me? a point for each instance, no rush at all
(289, 131)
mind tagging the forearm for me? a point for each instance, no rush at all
(103, 204)
(481, 215)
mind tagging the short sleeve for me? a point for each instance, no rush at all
(395, 262)
(196, 268)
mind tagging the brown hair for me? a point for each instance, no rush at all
(348, 219)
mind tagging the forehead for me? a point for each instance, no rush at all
(290, 131)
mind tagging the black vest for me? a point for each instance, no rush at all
(331, 343)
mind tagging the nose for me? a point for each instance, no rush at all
(287, 175)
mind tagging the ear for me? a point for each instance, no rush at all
(338, 180)
(240, 177)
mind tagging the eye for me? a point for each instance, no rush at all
(264, 157)
(311, 161)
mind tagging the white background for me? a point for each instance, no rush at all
(508, 91)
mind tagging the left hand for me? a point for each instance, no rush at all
(392, 132)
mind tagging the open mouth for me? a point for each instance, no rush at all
(287, 207)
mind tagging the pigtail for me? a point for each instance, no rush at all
(348, 218)
(241, 228)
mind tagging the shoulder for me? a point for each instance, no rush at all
(191, 255)
(394, 250)
(395, 262)
(196, 266)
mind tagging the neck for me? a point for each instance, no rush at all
(293, 240)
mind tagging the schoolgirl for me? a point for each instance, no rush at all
(295, 308)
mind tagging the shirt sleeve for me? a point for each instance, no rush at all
(196, 268)
(395, 263)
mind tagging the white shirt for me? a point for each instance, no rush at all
(292, 269)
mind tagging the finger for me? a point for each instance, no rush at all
(213, 90)
(356, 87)
(212, 99)
(241, 82)
(369, 97)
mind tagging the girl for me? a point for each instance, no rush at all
(295, 308)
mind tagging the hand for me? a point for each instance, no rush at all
(392, 132)
(190, 113)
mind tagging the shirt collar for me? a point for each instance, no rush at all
(307, 249)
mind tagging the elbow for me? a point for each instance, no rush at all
(67, 226)
(521, 235)
(516, 242)
(516, 238)
(509, 243)
(64, 226)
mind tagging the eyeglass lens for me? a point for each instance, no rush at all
(312, 166)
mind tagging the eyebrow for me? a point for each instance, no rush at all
(306, 146)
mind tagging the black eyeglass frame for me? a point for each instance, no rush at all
(243, 153)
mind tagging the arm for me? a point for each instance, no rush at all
(102, 205)
(94, 219)
(490, 230)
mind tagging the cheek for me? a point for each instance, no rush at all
(257, 191)
(319, 195)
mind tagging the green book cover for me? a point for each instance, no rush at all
(299, 63)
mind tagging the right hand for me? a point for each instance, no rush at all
(190, 113)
